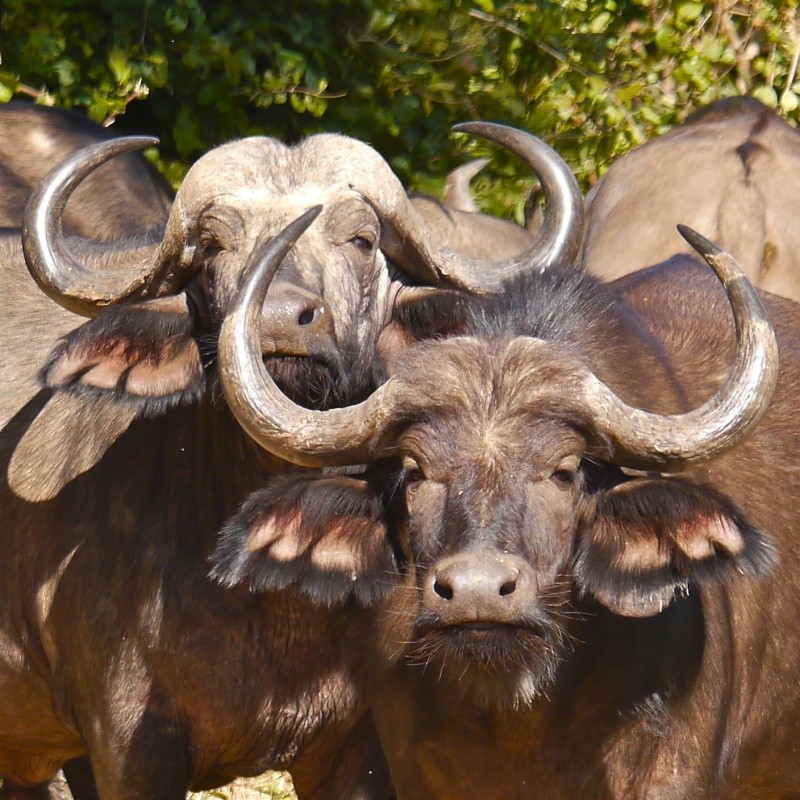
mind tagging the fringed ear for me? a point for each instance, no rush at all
(144, 353)
(325, 536)
(652, 538)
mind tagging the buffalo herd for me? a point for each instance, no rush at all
(303, 472)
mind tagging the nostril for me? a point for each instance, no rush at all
(443, 590)
(509, 587)
(307, 316)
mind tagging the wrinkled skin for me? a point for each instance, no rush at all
(34, 139)
(560, 627)
(731, 172)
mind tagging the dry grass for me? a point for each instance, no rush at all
(269, 786)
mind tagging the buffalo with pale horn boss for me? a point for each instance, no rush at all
(111, 507)
(327, 310)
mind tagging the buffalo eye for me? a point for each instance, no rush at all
(210, 246)
(364, 244)
(567, 472)
(413, 474)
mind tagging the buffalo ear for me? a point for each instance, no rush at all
(324, 536)
(651, 538)
(144, 353)
(70, 436)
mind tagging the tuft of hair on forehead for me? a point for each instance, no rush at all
(449, 373)
(559, 305)
(493, 389)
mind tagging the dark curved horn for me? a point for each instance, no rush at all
(422, 255)
(670, 443)
(283, 428)
(68, 279)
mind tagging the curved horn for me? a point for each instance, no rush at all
(283, 428)
(63, 277)
(669, 443)
(561, 235)
(559, 240)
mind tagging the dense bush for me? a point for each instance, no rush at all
(593, 77)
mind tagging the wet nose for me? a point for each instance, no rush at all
(295, 322)
(480, 586)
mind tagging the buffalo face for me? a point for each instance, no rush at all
(323, 314)
(509, 519)
(333, 294)
(489, 510)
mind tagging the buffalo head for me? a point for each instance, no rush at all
(159, 299)
(521, 482)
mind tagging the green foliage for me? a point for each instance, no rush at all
(593, 77)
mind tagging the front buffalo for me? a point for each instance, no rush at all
(591, 599)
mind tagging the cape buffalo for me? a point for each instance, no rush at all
(731, 170)
(113, 640)
(594, 585)
(122, 198)
(329, 307)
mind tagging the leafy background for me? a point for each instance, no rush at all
(592, 77)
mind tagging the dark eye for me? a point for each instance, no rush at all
(210, 245)
(413, 474)
(567, 473)
(564, 477)
(363, 244)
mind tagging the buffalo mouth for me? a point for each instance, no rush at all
(323, 381)
(495, 664)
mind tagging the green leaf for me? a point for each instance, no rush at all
(689, 11)
(767, 95)
(600, 23)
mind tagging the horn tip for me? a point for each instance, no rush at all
(699, 242)
(310, 215)
(478, 128)
(133, 142)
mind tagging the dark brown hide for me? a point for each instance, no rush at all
(169, 680)
(731, 172)
(562, 628)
